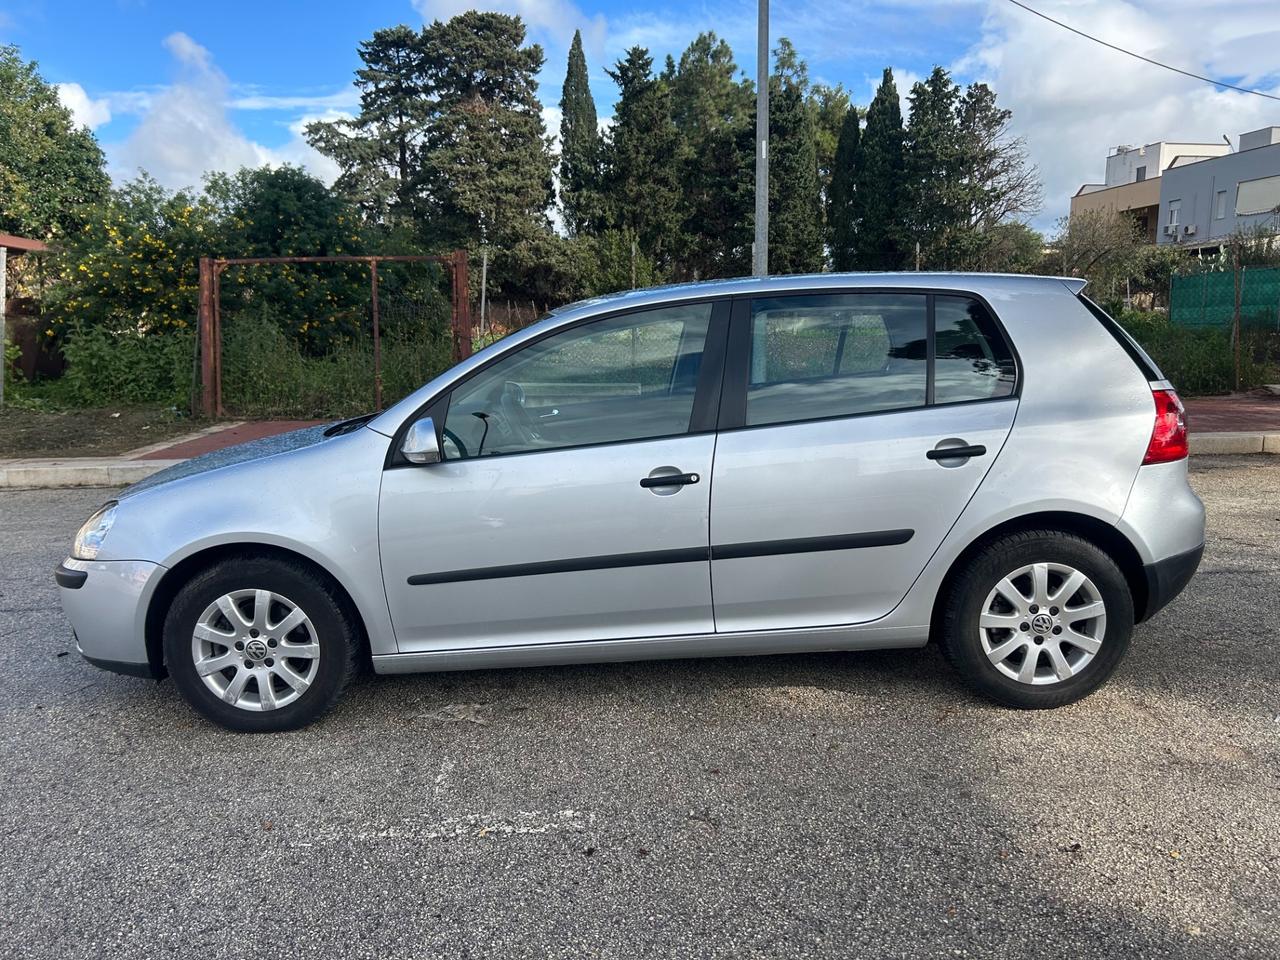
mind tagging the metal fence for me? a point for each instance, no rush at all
(1209, 299)
(210, 326)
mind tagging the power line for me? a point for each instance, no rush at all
(1138, 56)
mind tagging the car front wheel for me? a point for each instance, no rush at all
(258, 644)
(1038, 619)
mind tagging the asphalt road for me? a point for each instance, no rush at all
(859, 805)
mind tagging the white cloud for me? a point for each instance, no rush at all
(85, 110)
(186, 131)
(346, 100)
(553, 20)
(1074, 100)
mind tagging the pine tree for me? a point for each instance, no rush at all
(877, 199)
(840, 198)
(935, 215)
(712, 110)
(1000, 183)
(486, 161)
(378, 151)
(579, 146)
(795, 209)
(642, 168)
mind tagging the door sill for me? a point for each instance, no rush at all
(751, 643)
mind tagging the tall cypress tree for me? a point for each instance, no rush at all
(712, 109)
(795, 209)
(840, 206)
(643, 159)
(877, 198)
(935, 211)
(829, 106)
(579, 146)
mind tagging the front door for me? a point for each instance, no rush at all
(833, 485)
(572, 502)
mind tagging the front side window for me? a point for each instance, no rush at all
(631, 377)
(836, 355)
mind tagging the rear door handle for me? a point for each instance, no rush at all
(956, 453)
(670, 480)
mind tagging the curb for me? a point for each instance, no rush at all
(1234, 442)
(77, 472)
(119, 472)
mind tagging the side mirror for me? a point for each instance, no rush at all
(420, 444)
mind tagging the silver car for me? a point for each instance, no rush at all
(835, 462)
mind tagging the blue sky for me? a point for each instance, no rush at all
(180, 87)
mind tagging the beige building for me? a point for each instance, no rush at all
(1132, 182)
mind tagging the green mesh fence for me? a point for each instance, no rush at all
(1208, 299)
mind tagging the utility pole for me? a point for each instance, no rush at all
(760, 249)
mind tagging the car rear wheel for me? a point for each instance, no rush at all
(1038, 619)
(258, 644)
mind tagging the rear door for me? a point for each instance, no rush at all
(854, 429)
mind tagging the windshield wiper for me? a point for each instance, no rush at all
(347, 426)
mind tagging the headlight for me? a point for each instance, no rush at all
(95, 529)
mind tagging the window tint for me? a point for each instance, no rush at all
(836, 355)
(972, 361)
(625, 378)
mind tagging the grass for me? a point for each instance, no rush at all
(44, 429)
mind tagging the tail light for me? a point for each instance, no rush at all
(1169, 436)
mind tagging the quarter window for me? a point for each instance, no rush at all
(624, 378)
(973, 362)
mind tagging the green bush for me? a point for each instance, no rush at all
(266, 374)
(105, 368)
(1200, 360)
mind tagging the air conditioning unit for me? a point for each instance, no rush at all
(1189, 230)
(1170, 229)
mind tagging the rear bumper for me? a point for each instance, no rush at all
(106, 602)
(1166, 578)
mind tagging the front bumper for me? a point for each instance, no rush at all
(1166, 578)
(106, 602)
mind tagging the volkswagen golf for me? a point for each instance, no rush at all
(757, 466)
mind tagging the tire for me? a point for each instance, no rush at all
(988, 637)
(302, 646)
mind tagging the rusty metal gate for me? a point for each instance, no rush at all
(209, 338)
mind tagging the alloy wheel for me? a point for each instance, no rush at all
(255, 649)
(1043, 623)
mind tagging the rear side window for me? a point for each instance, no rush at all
(1122, 337)
(973, 362)
(836, 355)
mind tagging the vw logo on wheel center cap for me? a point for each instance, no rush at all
(255, 649)
(1042, 623)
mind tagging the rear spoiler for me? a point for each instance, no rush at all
(1075, 284)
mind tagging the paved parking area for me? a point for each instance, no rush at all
(857, 805)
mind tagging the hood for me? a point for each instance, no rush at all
(240, 453)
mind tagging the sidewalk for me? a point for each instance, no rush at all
(135, 465)
(1220, 425)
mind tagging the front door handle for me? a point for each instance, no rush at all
(670, 480)
(956, 453)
